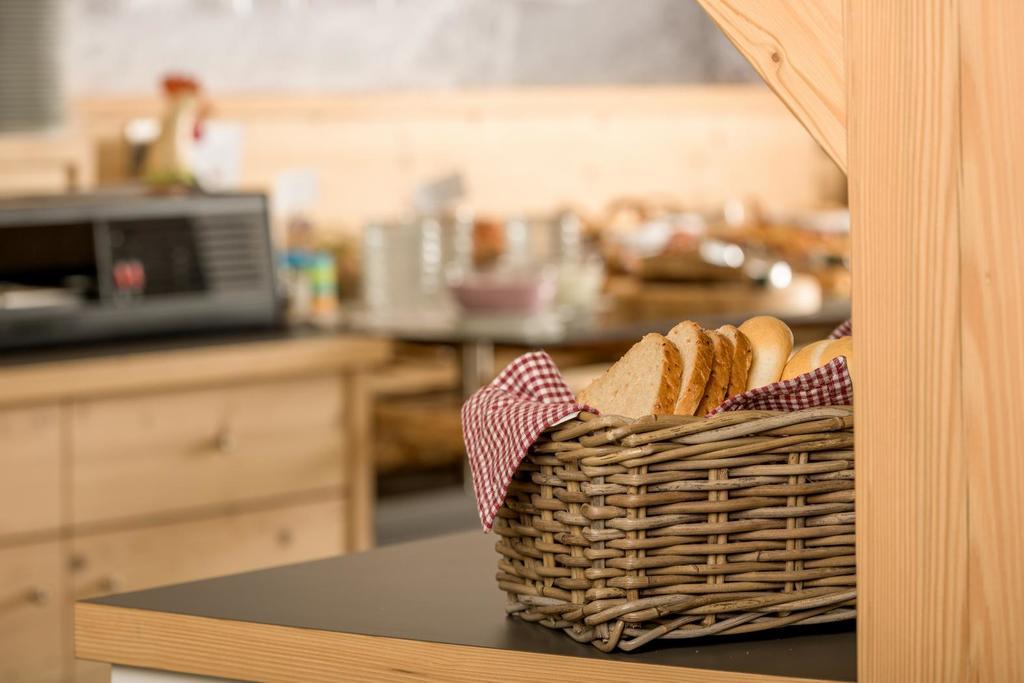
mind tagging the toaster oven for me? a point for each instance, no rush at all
(88, 267)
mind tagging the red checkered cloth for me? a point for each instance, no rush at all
(829, 385)
(844, 330)
(502, 420)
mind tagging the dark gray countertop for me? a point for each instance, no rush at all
(443, 590)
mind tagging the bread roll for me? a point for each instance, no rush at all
(817, 354)
(741, 357)
(771, 341)
(805, 359)
(645, 381)
(697, 355)
(718, 382)
(837, 347)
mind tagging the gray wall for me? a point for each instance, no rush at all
(122, 46)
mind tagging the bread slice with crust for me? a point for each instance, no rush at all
(698, 354)
(718, 381)
(645, 381)
(771, 341)
(741, 358)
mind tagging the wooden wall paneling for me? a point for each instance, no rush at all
(797, 47)
(992, 302)
(904, 126)
(521, 150)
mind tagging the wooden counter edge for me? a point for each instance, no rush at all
(251, 651)
(179, 368)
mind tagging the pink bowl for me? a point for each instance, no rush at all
(504, 293)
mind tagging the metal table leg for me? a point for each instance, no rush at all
(476, 364)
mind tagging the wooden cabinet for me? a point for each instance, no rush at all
(125, 472)
(150, 556)
(167, 452)
(173, 553)
(33, 609)
(30, 446)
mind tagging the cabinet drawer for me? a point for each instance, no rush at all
(31, 613)
(29, 469)
(158, 453)
(173, 553)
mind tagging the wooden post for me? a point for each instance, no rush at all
(934, 155)
(992, 330)
(360, 463)
(904, 123)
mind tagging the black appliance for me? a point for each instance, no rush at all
(89, 267)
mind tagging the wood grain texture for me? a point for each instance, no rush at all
(264, 652)
(903, 117)
(32, 608)
(992, 301)
(166, 370)
(139, 558)
(53, 162)
(797, 47)
(175, 451)
(157, 555)
(30, 454)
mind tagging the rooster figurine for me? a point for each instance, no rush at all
(169, 161)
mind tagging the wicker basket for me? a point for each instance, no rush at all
(624, 531)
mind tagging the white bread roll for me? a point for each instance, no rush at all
(697, 354)
(837, 347)
(718, 382)
(771, 341)
(804, 360)
(741, 358)
(817, 354)
(645, 381)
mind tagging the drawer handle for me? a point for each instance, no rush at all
(101, 586)
(38, 596)
(109, 583)
(224, 442)
(285, 537)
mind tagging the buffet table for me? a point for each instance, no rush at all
(427, 610)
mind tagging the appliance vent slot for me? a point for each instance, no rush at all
(234, 252)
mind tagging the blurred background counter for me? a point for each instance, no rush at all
(255, 253)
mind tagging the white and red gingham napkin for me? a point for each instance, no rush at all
(502, 420)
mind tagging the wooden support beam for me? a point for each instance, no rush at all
(903, 67)
(992, 289)
(798, 48)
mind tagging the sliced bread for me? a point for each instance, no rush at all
(645, 381)
(771, 342)
(718, 382)
(697, 354)
(741, 358)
